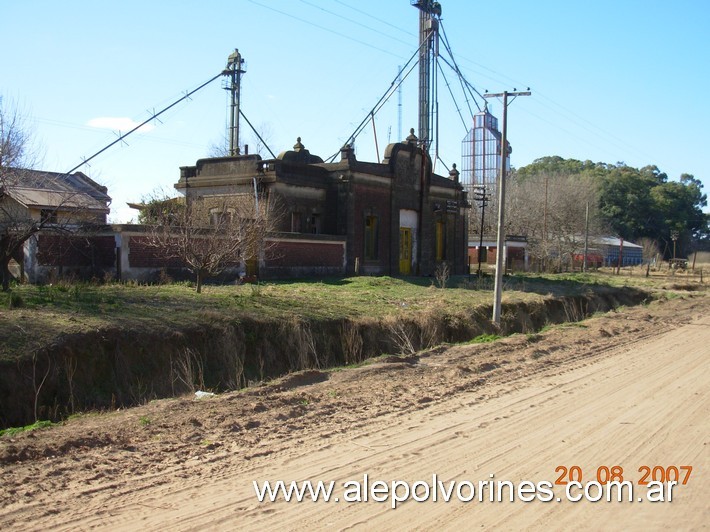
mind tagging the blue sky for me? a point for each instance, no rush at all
(611, 81)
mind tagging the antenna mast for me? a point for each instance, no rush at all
(235, 69)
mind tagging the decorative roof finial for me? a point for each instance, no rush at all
(412, 138)
(454, 173)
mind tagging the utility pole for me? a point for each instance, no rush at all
(235, 69)
(586, 238)
(544, 228)
(674, 238)
(481, 195)
(498, 291)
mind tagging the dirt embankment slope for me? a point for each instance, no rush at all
(128, 364)
(627, 388)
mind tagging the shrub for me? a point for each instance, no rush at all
(16, 301)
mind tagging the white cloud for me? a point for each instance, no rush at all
(117, 123)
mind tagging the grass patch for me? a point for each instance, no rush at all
(15, 301)
(566, 325)
(12, 431)
(485, 338)
(64, 308)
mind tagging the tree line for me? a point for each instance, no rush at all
(548, 201)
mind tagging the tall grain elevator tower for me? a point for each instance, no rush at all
(235, 69)
(480, 153)
(429, 14)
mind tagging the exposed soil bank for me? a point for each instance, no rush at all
(112, 368)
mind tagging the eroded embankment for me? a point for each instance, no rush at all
(112, 368)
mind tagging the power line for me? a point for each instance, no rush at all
(453, 64)
(355, 22)
(121, 137)
(573, 117)
(448, 86)
(580, 121)
(257, 133)
(565, 130)
(92, 129)
(398, 80)
(338, 33)
(456, 68)
(370, 16)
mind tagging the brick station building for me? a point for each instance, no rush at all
(396, 217)
(347, 217)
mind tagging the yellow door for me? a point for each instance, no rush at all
(440, 240)
(251, 267)
(405, 250)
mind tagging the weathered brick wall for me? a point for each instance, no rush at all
(74, 251)
(301, 258)
(302, 254)
(143, 255)
(305, 254)
(288, 256)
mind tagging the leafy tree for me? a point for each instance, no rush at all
(553, 166)
(625, 202)
(633, 203)
(678, 207)
(653, 173)
(700, 221)
(159, 210)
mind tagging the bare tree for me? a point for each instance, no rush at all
(14, 139)
(254, 140)
(551, 210)
(219, 148)
(211, 234)
(15, 153)
(650, 251)
(32, 201)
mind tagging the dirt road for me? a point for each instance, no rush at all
(627, 389)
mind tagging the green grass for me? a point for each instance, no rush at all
(17, 430)
(568, 325)
(485, 338)
(46, 312)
